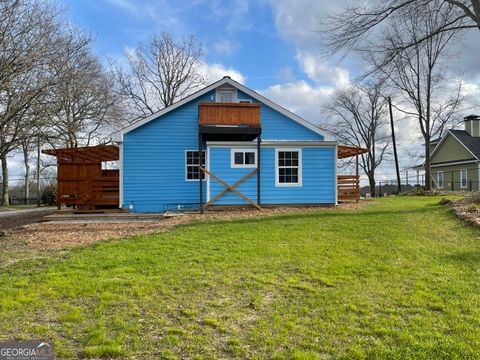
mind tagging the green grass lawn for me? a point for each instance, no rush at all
(397, 279)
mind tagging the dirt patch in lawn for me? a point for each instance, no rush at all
(52, 236)
(11, 220)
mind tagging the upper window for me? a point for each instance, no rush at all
(191, 165)
(440, 180)
(244, 158)
(288, 167)
(227, 96)
(463, 178)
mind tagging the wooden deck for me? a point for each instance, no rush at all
(82, 184)
(234, 114)
(348, 188)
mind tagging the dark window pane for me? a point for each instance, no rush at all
(249, 158)
(238, 158)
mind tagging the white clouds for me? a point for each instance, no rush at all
(318, 71)
(226, 47)
(285, 74)
(301, 98)
(214, 72)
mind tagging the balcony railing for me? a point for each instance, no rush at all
(229, 114)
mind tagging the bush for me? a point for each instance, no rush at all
(473, 208)
(49, 195)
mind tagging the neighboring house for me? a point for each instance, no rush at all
(223, 145)
(455, 158)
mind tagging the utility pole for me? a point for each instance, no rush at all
(394, 143)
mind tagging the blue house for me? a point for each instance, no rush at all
(228, 145)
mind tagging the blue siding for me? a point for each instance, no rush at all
(154, 163)
(318, 178)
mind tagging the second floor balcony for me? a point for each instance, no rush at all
(229, 114)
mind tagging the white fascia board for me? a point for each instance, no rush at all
(218, 144)
(118, 135)
(453, 163)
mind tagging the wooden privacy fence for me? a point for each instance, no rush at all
(348, 188)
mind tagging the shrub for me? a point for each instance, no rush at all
(473, 208)
(49, 195)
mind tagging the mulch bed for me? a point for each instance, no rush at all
(52, 236)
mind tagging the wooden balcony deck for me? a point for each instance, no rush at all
(348, 188)
(225, 114)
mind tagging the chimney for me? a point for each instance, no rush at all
(472, 125)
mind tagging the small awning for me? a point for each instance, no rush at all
(345, 151)
(89, 154)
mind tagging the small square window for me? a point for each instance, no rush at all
(243, 158)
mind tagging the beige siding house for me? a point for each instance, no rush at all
(455, 159)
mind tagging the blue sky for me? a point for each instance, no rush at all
(242, 35)
(272, 46)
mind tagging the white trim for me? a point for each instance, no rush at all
(120, 174)
(208, 169)
(234, 97)
(336, 175)
(461, 178)
(438, 179)
(186, 165)
(242, 150)
(299, 183)
(269, 143)
(118, 135)
(453, 163)
(443, 139)
(244, 101)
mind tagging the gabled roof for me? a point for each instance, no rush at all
(118, 135)
(471, 143)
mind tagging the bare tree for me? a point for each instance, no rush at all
(419, 73)
(83, 102)
(359, 118)
(346, 30)
(27, 32)
(159, 73)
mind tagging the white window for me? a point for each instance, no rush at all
(191, 165)
(288, 167)
(440, 180)
(243, 158)
(463, 178)
(245, 101)
(226, 96)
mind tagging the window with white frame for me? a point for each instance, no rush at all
(288, 167)
(243, 158)
(226, 96)
(191, 165)
(440, 179)
(463, 178)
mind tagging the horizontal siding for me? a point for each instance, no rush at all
(318, 178)
(154, 163)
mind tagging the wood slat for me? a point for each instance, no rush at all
(228, 114)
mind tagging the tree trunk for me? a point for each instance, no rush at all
(27, 173)
(428, 182)
(371, 184)
(5, 197)
(39, 197)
